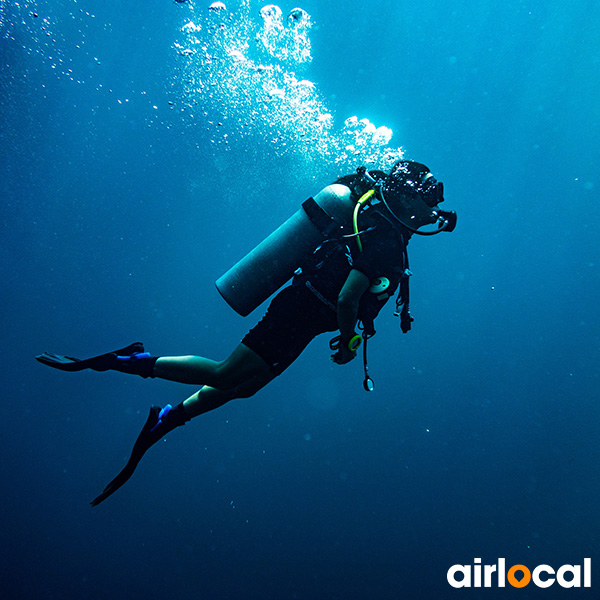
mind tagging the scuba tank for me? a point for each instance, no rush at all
(273, 262)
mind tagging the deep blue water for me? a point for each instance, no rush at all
(121, 204)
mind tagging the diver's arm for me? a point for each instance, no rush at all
(347, 312)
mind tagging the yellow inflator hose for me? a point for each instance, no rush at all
(361, 201)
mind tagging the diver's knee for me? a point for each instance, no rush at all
(250, 388)
(225, 378)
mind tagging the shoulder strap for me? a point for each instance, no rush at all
(319, 218)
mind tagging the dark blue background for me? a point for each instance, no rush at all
(116, 216)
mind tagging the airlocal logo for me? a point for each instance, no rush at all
(519, 576)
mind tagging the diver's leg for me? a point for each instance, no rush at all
(242, 365)
(162, 421)
(209, 398)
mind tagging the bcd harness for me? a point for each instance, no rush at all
(380, 291)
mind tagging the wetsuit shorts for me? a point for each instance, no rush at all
(294, 317)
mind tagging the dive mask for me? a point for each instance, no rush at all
(431, 190)
(408, 177)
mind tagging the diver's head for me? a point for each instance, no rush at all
(411, 195)
(410, 178)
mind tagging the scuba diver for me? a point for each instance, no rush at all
(346, 249)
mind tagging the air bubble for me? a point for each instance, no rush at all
(248, 76)
(271, 12)
(298, 17)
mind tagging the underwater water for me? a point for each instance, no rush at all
(144, 148)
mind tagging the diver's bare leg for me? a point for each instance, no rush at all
(161, 422)
(209, 398)
(241, 366)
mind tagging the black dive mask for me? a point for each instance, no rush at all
(432, 191)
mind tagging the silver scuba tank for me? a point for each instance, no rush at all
(273, 262)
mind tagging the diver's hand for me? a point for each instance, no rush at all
(343, 356)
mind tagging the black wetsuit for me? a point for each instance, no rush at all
(307, 308)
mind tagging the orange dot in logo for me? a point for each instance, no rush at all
(518, 583)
